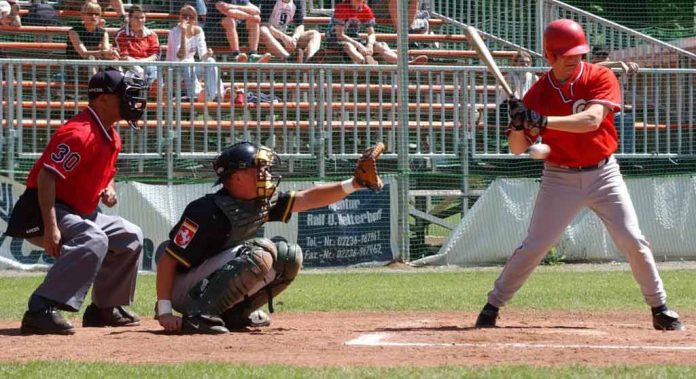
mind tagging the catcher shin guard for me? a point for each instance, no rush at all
(287, 266)
(230, 284)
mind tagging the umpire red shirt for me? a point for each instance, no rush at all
(589, 84)
(82, 156)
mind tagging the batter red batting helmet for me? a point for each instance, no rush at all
(565, 37)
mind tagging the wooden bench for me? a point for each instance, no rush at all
(302, 105)
(239, 124)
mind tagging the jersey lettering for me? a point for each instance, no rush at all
(62, 151)
(63, 154)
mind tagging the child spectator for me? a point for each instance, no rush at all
(185, 41)
(229, 15)
(137, 43)
(9, 13)
(276, 15)
(349, 17)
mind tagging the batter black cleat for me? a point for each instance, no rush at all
(667, 320)
(203, 324)
(488, 317)
(46, 321)
(113, 316)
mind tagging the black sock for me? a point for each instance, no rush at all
(38, 303)
(250, 52)
(490, 308)
(662, 308)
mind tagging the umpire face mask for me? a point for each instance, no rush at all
(133, 98)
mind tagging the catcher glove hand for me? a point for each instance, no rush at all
(365, 173)
(523, 118)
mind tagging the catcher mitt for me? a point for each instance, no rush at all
(366, 169)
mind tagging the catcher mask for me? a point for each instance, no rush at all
(244, 155)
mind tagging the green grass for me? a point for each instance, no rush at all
(218, 370)
(559, 287)
(556, 287)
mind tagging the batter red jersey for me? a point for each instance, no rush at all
(590, 84)
(82, 155)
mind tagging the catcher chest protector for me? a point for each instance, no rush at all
(230, 284)
(246, 217)
(287, 265)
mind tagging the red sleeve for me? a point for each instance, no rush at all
(65, 152)
(341, 14)
(367, 16)
(154, 45)
(605, 89)
(122, 43)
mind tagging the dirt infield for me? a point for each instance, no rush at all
(385, 339)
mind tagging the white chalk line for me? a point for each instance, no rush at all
(377, 339)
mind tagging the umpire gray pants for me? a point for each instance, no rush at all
(184, 282)
(100, 249)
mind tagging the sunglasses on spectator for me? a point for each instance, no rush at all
(187, 16)
(92, 14)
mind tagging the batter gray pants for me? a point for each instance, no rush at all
(562, 194)
(183, 282)
(101, 249)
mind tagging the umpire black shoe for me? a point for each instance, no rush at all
(112, 316)
(486, 319)
(667, 320)
(46, 321)
(203, 324)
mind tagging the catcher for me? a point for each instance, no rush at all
(214, 270)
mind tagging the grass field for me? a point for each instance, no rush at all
(564, 287)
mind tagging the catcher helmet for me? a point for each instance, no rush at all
(130, 87)
(243, 155)
(565, 38)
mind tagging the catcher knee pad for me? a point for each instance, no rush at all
(231, 283)
(289, 259)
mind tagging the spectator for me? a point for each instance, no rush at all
(137, 43)
(76, 5)
(59, 212)
(600, 57)
(185, 41)
(89, 41)
(9, 13)
(230, 15)
(623, 120)
(386, 13)
(348, 19)
(520, 82)
(276, 15)
(41, 14)
(201, 8)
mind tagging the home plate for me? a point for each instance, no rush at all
(380, 339)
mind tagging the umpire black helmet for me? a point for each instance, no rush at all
(246, 154)
(129, 86)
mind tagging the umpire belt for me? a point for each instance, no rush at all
(585, 168)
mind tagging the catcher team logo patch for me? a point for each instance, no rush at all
(185, 234)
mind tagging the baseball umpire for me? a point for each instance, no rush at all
(572, 108)
(215, 270)
(59, 212)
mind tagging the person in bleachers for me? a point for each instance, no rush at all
(89, 41)
(520, 82)
(185, 41)
(200, 6)
(623, 120)
(276, 15)
(137, 43)
(230, 15)
(9, 13)
(349, 18)
(386, 13)
(74, 5)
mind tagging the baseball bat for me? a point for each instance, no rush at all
(476, 42)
